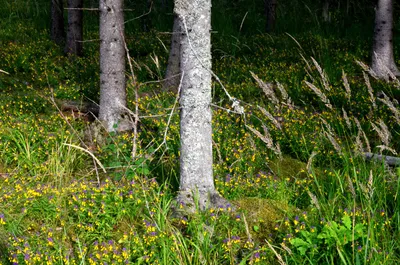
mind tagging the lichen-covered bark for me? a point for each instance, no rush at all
(57, 31)
(382, 53)
(172, 77)
(196, 172)
(112, 66)
(73, 45)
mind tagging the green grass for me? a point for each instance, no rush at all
(304, 192)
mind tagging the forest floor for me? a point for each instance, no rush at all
(293, 163)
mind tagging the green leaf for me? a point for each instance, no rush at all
(346, 221)
(301, 245)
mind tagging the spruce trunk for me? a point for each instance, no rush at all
(57, 31)
(382, 53)
(75, 28)
(112, 67)
(196, 158)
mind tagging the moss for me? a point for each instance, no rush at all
(262, 214)
(288, 167)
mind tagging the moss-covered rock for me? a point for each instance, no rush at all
(262, 215)
(288, 167)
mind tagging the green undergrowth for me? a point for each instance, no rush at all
(292, 164)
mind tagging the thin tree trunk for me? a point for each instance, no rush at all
(146, 20)
(196, 171)
(164, 5)
(382, 53)
(325, 11)
(270, 13)
(172, 76)
(75, 28)
(112, 67)
(57, 31)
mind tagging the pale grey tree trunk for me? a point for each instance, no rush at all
(196, 170)
(382, 52)
(73, 45)
(172, 76)
(270, 13)
(112, 67)
(326, 16)
(57, 31)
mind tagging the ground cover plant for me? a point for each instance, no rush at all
(293, 164)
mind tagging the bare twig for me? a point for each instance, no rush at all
(145, 14)
(90, 153)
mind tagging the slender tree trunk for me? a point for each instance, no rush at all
(270, 13)
(382, 53)
(146, 20)
(57, 31)
(75, 28)
(172, 76)
(325, 11)
(164, 5)
(112, 67)
(196, 171)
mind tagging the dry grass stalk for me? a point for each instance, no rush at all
(314, 200)
(384, 147)
(279, 257)
(386, 100)
(383, 131)
(331, 136)
(368, 189)
(322, 73)
(285, 96)
(319, 93)
(309, 162)
(361, 131)
(346, 85)
(271, 118)
(334, 142)
(346, 119)
(351, 186)
(370, 180)
(370, 90)
(359, 147)
(266, 138)
(367, 69)
(276, 148)
(308, 68)
(267, 89)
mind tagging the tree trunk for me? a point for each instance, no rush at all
(326, 16)
(112, 67)
(382, 53)
(146, 20)
(196, 171)
(172, 76)
(270, 13)
(75, 30)
(57, 31)
(164, 5)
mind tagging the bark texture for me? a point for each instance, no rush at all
(57, 31)
(75, 30)
(270, 13)
(382, 53)
(112, 67)
(172, 76)
(196, 172)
